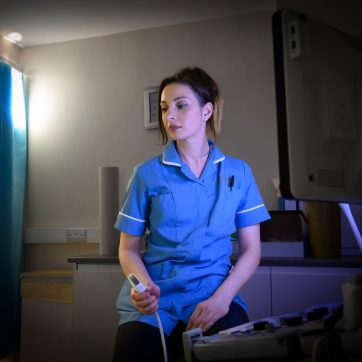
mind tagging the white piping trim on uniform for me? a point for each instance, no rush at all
(131, 217)
(170, 163)
(251, 209)
(220, 159)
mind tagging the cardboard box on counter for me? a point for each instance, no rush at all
(283, 226)
(282, 235)
(278, 249)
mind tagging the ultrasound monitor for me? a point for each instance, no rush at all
(318, 80)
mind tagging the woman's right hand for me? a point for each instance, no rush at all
(147, 302)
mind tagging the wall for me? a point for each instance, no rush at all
(54, 255)
(9, 52)
(86, 108)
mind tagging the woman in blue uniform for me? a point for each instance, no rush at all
(191, 199)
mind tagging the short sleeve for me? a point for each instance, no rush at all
(251, 209)
(133, 215)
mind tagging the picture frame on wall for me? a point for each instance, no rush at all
(150, 98)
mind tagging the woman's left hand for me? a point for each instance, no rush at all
(207, 313)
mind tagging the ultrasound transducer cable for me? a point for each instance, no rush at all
(140, 288)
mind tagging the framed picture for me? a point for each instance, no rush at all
(150, 98)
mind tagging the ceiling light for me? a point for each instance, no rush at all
(14, 38)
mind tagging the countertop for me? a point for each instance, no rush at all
(343, 262)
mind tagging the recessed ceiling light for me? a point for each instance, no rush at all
(14, 38)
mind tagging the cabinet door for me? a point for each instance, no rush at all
(46, 331)
(296, 288)
(96, 288)
(257, 293)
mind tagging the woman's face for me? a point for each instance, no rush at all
(182, 115)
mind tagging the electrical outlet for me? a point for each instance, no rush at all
(76, 234)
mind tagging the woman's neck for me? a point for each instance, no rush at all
(194, 155)
(193, 151)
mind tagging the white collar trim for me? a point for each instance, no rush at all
(170, 163)
(219, 159)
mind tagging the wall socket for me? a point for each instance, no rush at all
(76, 234)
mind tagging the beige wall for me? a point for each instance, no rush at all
(86, 108)
(90, 109)
(54, 256)
(9, 52)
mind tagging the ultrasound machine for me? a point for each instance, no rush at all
(318, 80)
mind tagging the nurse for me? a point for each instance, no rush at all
(191, 199)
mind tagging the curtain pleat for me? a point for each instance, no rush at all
(13, 149)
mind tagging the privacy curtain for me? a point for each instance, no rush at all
(13, 147)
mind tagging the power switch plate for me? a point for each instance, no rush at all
(76, 234)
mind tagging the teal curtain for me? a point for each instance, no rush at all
(13, 150)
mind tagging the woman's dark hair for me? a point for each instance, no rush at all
(205, 90)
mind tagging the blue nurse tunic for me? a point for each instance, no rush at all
(190, 221)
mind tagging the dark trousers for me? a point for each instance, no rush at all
(140, 342)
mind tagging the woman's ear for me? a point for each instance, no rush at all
(207, 110)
